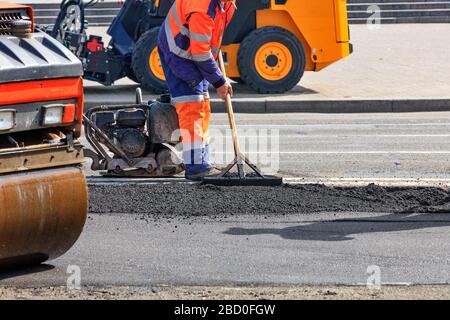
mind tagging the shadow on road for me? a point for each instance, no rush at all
(343, 229)
(24, 271)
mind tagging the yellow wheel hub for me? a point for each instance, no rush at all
(155, 65)
(273, 61)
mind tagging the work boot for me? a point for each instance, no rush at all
(198, 164)
(209, 173)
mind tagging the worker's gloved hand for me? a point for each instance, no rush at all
(224, 90)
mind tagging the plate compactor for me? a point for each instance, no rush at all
(134, 140)
(142, 141)
(43, 192)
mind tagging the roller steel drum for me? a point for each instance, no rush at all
(42, 214)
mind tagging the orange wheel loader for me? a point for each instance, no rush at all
(268, 45)
(43, 192)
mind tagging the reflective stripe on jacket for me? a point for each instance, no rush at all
(191, 36)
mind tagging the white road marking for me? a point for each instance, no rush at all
(367, 135)
(303, 135)
(303, 125)
(445, 180)
(389, 284)
(343, 152)
(400, 182)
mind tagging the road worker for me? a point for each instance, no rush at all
(189, 43)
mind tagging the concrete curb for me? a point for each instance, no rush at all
(271, 105)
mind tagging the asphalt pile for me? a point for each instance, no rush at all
(207, 200)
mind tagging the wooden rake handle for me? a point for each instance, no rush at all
(230, 111)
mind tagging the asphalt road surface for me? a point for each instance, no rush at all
(344, 146)
(295, 249)
(122, 250)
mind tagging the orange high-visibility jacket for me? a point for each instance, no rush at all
(191, 37)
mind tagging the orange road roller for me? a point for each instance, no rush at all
(43, 192)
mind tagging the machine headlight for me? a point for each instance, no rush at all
(58, 114)
(7, 119)
(53, 115)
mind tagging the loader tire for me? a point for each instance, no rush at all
(271, 60)
(145, 63)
